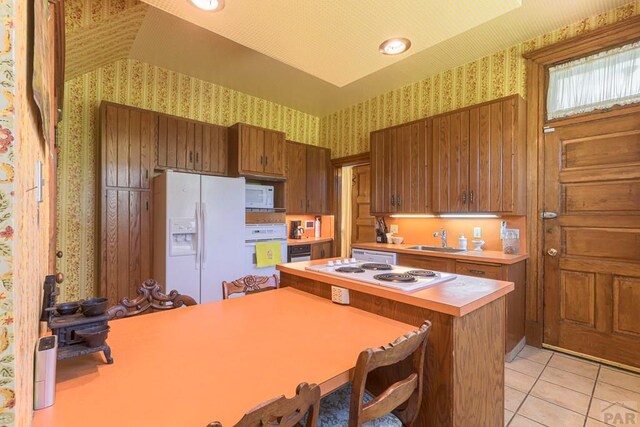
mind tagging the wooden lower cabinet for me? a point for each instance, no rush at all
(515, 306)
(515, 301)
(321, 250)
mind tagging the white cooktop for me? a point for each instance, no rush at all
(367, 276)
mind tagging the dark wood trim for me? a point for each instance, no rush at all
(538, 63)
(469, 107)
(353, 160)
(59, 56)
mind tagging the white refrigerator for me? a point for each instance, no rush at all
(199, 233)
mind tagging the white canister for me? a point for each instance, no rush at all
(317, 227)
(462, 242)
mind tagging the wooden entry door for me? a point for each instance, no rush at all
(592, 248)
(362, 223)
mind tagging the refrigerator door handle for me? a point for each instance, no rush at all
(203, 210)
(198, 235)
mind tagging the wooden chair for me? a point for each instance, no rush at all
(249, 285)
(150, 297)
(402, 399)
(283, 412)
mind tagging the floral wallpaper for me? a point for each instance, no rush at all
(503, 73)
(146, 86)
(23, 224)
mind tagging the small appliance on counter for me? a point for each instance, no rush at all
(295, 230)
(381, 231)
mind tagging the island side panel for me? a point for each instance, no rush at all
(437, 405)
(478, 366)
(515, 309)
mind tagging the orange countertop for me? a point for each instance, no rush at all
(215, 361)
(308, 241)
(456, 297)
(495, 257)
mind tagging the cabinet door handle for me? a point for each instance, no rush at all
(393, 201)
(398, 200)
(464, 197)
(190, 156)
(477, 272)
(197, 157)
(471, 197)
(261, 159)
(307, 203)
(266, 160)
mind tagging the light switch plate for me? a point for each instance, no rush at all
(477, 232)
(393, 228)
(340, 295)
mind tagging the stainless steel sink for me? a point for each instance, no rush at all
(435, 249)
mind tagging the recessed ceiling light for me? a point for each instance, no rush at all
(395, 46)
(209, 5)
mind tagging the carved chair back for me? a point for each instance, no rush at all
(403, 398)
(150, 298)
(249, 285)
(283, 412)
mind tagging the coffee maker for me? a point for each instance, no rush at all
(295, 229)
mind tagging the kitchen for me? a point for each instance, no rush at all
(451, 158)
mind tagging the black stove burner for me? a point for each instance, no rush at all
(375, 266)
(349, 270)
(421, 273)
(395, 277)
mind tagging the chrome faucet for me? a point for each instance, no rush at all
(442, 234)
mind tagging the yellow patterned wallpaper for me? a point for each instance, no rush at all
(503, 73)
(24, 225)
(142, 85)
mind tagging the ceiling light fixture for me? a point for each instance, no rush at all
(395, 46)
(209, 5)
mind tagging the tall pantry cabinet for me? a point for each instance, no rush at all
(125, 168)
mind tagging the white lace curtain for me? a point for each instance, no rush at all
(595, 82)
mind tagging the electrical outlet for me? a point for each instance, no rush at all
(340, 295)
(477, 232)
(393, 228)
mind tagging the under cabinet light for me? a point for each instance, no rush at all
(412, 216)
(468, 216)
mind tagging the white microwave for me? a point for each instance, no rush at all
(259, 196)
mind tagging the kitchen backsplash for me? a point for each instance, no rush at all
(326, 225)
(420, 230)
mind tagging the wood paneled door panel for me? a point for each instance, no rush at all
(362, 223)
(129, 136)
(318, 177)
(592, 261)
(400, 162)
(191, 146)
(126, 243)
(479, 158)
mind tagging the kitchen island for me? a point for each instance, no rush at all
(464, 375)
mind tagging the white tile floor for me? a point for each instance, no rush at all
(545, 388)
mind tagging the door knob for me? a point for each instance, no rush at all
(552, 252)
(59, 254)
(59, 278)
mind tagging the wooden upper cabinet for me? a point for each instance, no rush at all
(308, 172)
(296, 173)
(400, 161)
(318, 178)
(256, 152)
(191, 146)
(127, 148)
(479, 158)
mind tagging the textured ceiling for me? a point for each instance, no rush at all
(167, 41)
(337, 40)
